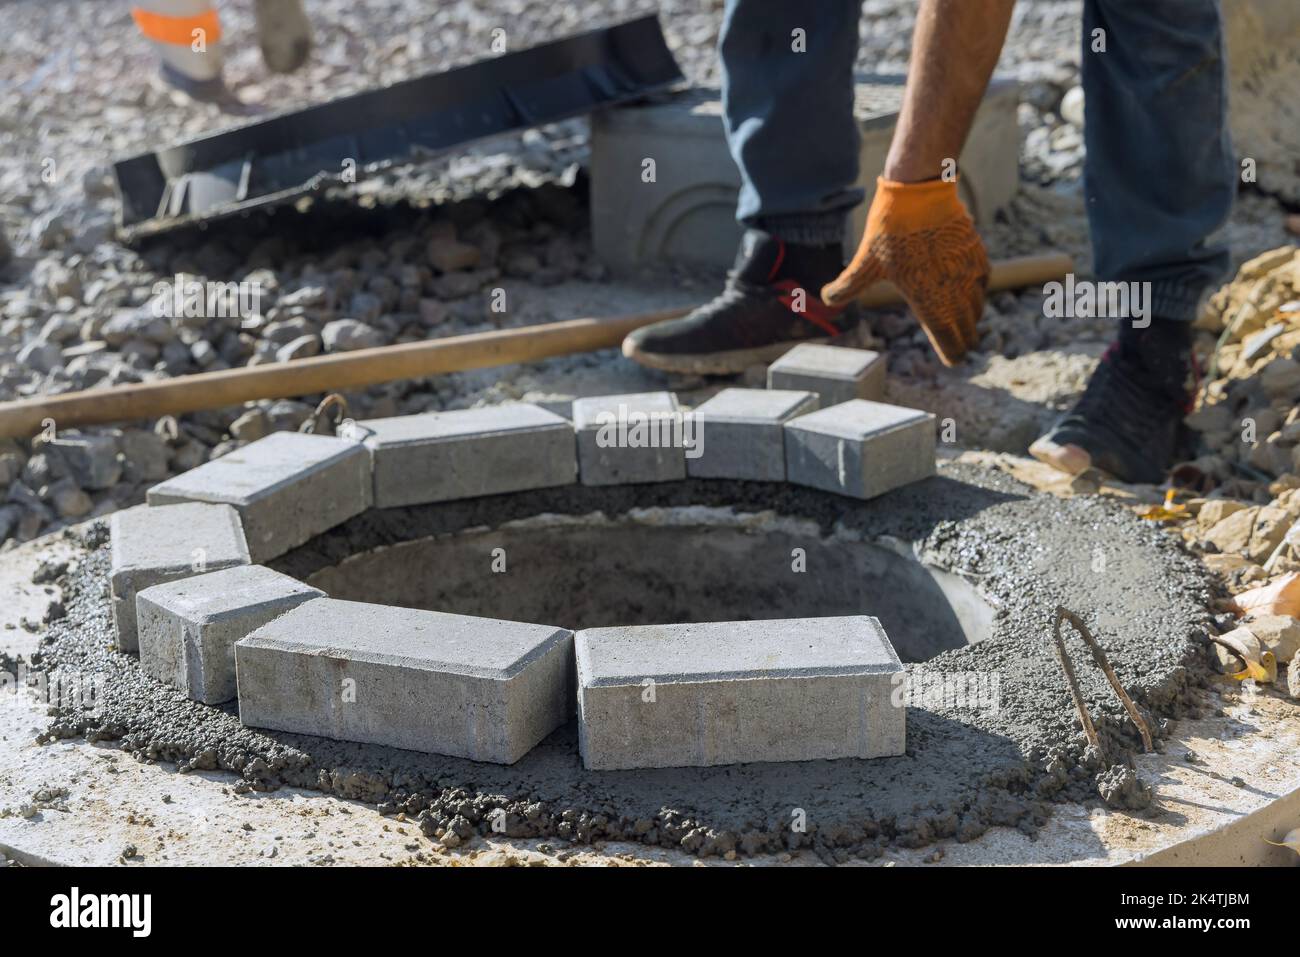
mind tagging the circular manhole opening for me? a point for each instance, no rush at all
(665, 565)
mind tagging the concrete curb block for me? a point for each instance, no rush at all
(695, 695)
(476, 688)
(689, 211)
(155, 544)
(287, 487)
(188, 628)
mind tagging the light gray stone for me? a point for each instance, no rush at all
(742, 434)
(690, 695)
(154, 545)
(860, 448)
(633, 437)
(835, 373)
(90, 459)
(40, 355)
(300, 348)
(287, 487)
(188, 628)
(348, 335)
(68, 500)
(475, 688)
(441, 456)
(144, 455)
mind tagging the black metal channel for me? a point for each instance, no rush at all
(279, 159)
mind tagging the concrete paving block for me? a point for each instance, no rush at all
(153, 545)
(287, 487)
(634, 437)
(835, 373)
(743, 434)
(860, 448)
(441, 456)
(188, 628)
(689, 211)
(690, 695)
(475, 688)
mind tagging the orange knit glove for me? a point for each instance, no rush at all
(920, 237)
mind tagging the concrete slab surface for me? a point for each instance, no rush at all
(1243, 736)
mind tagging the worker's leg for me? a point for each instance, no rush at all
(1159, 176)
(788, 102)
(1159, 180)
(787, 96)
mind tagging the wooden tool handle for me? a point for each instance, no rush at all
(411, 360)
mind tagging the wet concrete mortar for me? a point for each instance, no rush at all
(965, 769)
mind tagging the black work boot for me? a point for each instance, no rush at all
(1127, 421)
(771, 302)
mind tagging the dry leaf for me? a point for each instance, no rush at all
(1279, 597)
(1263, 671)
(1261, 665)
(1292, 840)
(1168, 511)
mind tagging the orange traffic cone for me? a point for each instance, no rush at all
(187, 36)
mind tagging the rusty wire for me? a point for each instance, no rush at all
(1099, 656)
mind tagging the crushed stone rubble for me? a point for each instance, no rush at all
(77, 310)
(1239, 506)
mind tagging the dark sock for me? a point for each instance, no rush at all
(765, 259)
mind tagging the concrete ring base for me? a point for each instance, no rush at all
(116, 802)
(967, 520)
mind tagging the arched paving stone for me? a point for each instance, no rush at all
(443, 456)
(860, 448)
(743, 433)
(490, 689)
(627, 438)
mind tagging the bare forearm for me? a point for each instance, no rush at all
(954, 49)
